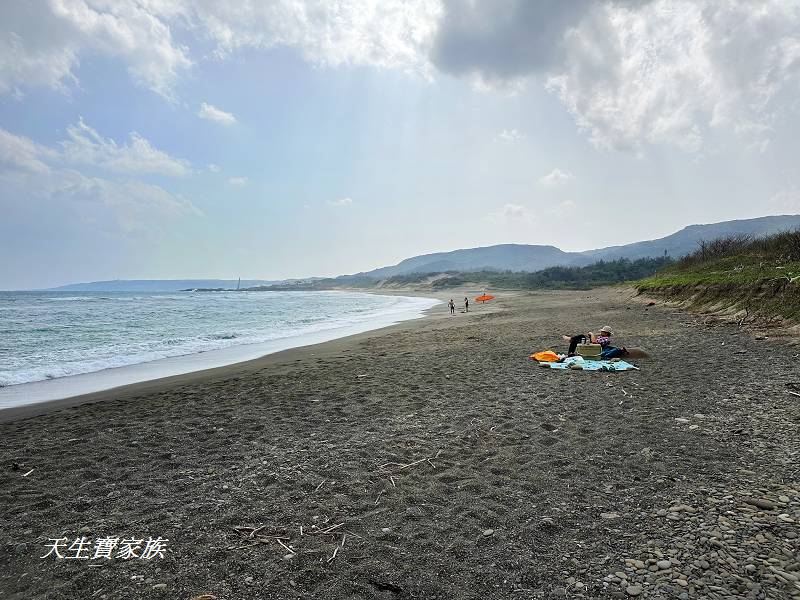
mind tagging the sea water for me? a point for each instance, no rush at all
(55, 336)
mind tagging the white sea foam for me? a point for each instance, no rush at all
(49, 336)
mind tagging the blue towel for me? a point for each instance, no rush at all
(597, 365)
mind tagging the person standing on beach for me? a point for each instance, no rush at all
(452, 306)
(466, 304)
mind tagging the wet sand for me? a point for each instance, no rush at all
(431, 459)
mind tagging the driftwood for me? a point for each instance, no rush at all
(252, 534)
(393, 467)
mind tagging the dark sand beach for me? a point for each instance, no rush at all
(431, 459)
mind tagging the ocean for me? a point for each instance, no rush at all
(49, 336)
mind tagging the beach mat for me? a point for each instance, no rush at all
(597, 365)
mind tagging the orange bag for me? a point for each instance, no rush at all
(546, 356)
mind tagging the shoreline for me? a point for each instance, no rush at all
(240, 367)
(429, 459)
(96, 385)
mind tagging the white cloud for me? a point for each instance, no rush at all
(35, 172)
(515, 211)
(636, 72)
(511, 135)
(511, 213)
(555, 178)
(85, 146)
(672, 71)
(132, 204)
(214, 168)
(238, 181)
(563, 209)
(42, 42)
(385, 33)
(212, 113)
(21, 153)
(340, 202)
(632, 72)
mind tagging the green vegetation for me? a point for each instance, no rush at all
(759, 276)
(597, 274)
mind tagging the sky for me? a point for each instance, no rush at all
(291, 138)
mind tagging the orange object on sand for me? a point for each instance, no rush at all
(546, 356)
(484, 298)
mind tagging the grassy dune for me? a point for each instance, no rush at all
(760, 277)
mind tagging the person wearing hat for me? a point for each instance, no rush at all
(603, 338)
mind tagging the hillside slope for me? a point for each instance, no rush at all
(529, 258)
(687, 239)
(511, 257)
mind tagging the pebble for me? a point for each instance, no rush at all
(760, 503)
(633, 590)
(488, 532)
(386, 530)
(730, 542)
(609, 515)
(160, 586)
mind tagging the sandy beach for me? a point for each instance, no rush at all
(431, 459)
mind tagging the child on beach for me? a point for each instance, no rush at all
(466, 304)
(452, 306)
(603, 338)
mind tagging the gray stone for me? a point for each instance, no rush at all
(633, 590)
(760, 503)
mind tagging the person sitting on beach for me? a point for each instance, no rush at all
(603, 338)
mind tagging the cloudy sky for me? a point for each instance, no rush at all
(178, 138)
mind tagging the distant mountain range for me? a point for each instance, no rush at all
(502, 257)
(523, 257)
(159, 285)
